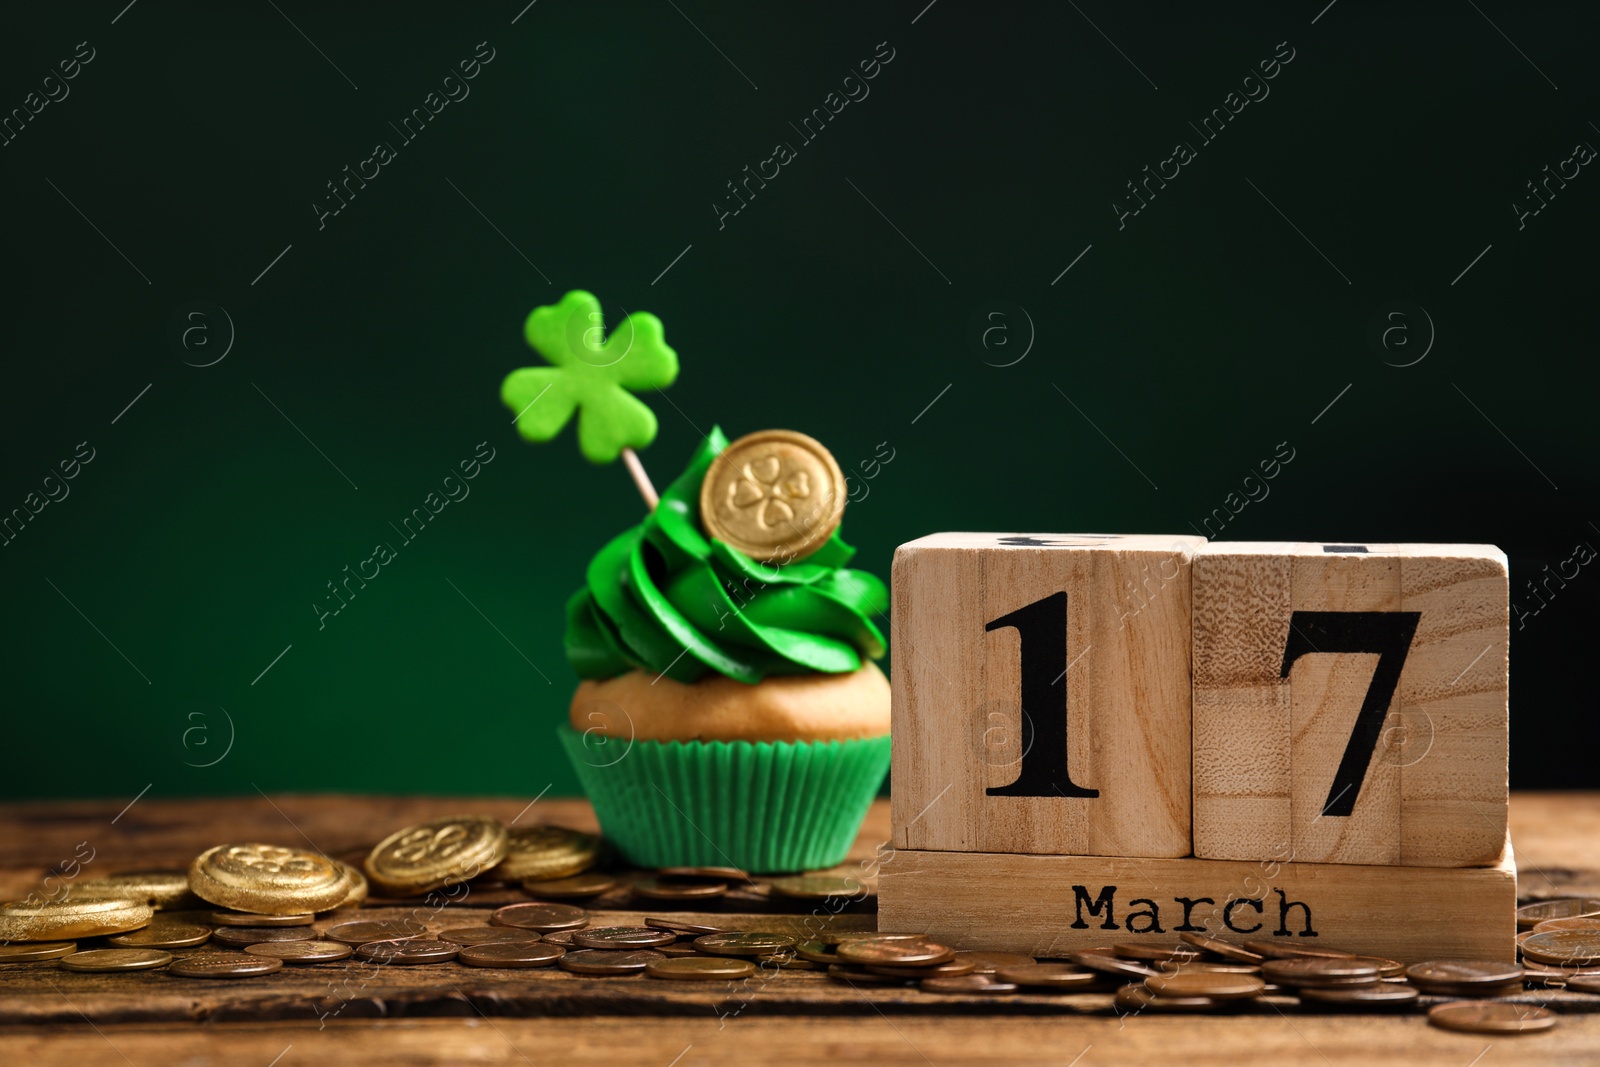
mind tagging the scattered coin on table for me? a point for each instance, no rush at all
(1491, 1017)
(816, 887)
(163, 933)
(37, 950)
(817, 952)
(66, 920)
(990, 962)
(1220, 986)
(622, 937)
(1059, 976)
(554, 937)
(268, 878)
(700, 969)
(982, 984)
(541, 852)
(302, 951)
(853, 975)
(240, 936)
(655, 887)
(1578, 948)
(409, 951)
(1103, 961)
(895, 952)
(1582, 922)
(1531, 915)
(1150, 952)
(608, 961)
(435, 854)
(1219, 946)
(1464, 977)
(485, 935)
(545, 918)
(1287, 951)
(223, 965)
(575, 887)
(159, 889)
(363, 931)
(1319, 971)
(246, 918)
(715, 874)
(744, 944)
(104, 960)
(1378, 995)
(519, 954)
(1137, 998)
(955, 968)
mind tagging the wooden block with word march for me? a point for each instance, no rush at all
(1041, 694)
(1350, 703)
(1047, 906)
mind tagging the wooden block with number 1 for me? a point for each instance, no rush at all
(1041, 694)
(1350, 703)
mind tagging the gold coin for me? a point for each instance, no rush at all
(435, 854)
(163, 933)
(101, 960)
(757, 944)
(358, 886)
(247, 918)
(773, 495)
(700, 969)
(61, 920)
(42, 950)
(536, 853)
(159, 889)
(1491, 1017)
(574, 887)
(268, 878)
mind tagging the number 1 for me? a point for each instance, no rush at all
(1042, 626)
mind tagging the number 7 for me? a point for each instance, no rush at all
(1387, 633)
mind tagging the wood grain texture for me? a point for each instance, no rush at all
(1274, 1032)
(1266, 747)
(1052, 905)
(1556, 833)
(959, 724)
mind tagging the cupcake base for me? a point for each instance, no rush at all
(764, 807)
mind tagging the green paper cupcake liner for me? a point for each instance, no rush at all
(760, 806)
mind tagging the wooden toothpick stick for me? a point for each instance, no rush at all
(640, 478)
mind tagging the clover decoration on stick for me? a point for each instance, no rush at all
(595, 376)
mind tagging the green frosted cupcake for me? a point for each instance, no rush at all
(729, 713)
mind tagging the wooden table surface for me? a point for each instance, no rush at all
(452, 1015)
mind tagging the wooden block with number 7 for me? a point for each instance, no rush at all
(1041, 694)
(1350, 703)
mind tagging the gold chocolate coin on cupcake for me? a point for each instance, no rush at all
(773, 495)
(435, 854)
(268, 879)
(539, 852)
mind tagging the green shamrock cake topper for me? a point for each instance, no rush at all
(591, 374)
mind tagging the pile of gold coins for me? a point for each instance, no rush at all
(257, 907)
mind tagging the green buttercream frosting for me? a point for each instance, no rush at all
(665, 598)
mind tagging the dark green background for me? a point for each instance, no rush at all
(1195, 339)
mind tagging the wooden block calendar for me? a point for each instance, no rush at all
(1111, 737)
